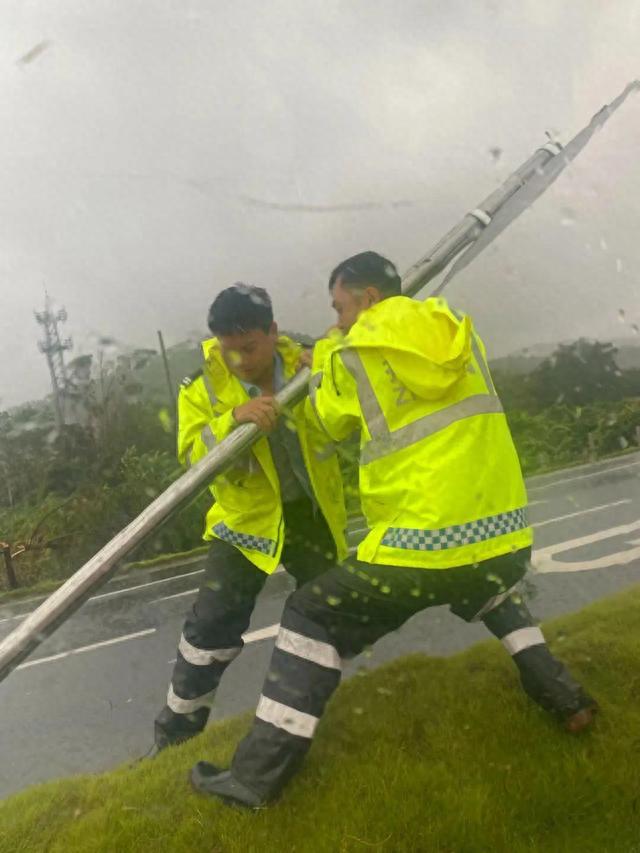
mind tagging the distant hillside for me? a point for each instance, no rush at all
(526, 360)
(184, 359)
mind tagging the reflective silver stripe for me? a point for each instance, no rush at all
(477, 354)
(493, 602)
(314, 384)
(479, 404)
(308, 649)
(522, 639)
(205, 657)
(207, 384)
(284, 717)
(188, 706)
(383, 441)
(208, 437)
(371, 410)
(482, 364)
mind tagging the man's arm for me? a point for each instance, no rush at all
(333, 396)
(200, 427)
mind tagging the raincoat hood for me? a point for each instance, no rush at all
(425, 344)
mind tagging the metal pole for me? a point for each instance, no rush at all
(62, 603)
(72, 594)
(463, 234)
(167, 373)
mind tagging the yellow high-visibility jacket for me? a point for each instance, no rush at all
(247, 511)
(440, 479)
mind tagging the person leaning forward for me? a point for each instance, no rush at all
(281, 501)
(446, 508)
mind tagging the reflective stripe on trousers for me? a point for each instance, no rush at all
(303, 672)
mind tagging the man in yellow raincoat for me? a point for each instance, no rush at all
(446, 509)
(281, 502)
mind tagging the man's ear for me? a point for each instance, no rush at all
(373, 295)
(273, 331)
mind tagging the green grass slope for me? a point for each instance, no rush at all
(424, 754)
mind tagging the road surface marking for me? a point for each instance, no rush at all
(545, 560)
(90, 648)
(580, 512)
(175, 595)
(119, 592)
(278, 571)
(256, 636)
(582, 477)
(9, 618)
(586, 466)
(143, 585)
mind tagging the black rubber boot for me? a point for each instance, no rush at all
(212, 781)
(577, 721)
(171, 728)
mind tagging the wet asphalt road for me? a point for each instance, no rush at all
(85, 701)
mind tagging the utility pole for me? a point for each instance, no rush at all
(53, 348)
(170, 386)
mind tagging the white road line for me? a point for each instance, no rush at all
(256, 636)
(90, 648)
(581, 512)
(121, 592)
(546, 559)
(175, 595)
(194, 589)
(143, 585)
(581, 477)
(585, 466)
(10, 618)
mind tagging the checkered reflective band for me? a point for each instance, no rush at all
(416, 539)
(245, 540)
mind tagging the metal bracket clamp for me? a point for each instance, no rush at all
(481, 215)
(552, 147)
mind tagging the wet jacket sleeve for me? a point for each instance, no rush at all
(333, 397)
(200, 426)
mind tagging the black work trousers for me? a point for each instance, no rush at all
(340, 613)
(212, 633)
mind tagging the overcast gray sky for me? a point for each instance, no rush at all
(143, 143)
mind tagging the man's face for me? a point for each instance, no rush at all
(349, 304)
(249, 355)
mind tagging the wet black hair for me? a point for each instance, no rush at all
(367, 269)
(240, 308)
